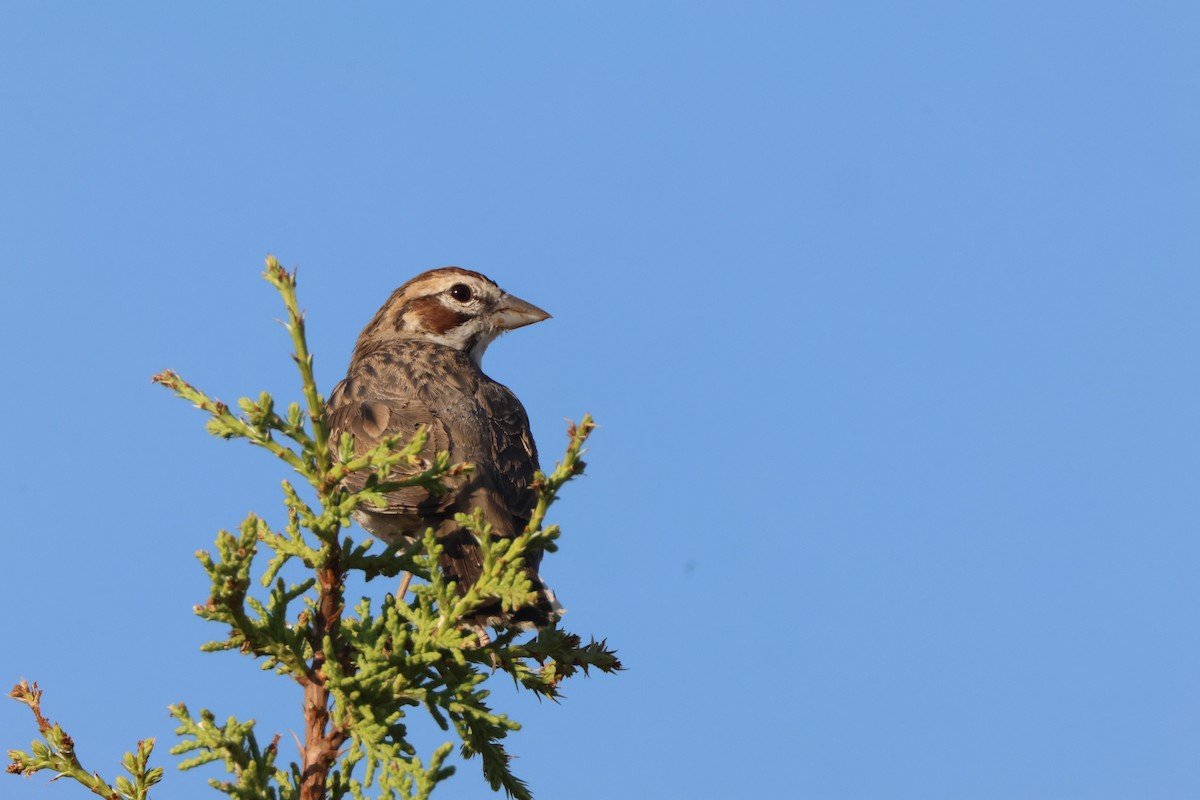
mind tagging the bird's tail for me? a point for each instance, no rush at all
(542, 611)
(462, 562)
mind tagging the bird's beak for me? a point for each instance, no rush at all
(513, 312)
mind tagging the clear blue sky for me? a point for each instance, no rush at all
(889, 314)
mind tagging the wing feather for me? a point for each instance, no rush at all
(369, 420)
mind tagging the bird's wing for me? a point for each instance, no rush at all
(503, 491)
(387, 412)
(516, 453)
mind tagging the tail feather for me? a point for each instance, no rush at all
(462, 562)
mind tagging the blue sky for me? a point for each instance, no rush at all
(888, 313)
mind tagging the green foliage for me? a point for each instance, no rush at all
(56, 752)
(235, 745)
(363, 668)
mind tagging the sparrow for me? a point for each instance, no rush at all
(418, 363)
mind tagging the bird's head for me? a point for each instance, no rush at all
(449, 306)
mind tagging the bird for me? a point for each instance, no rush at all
(418, 362)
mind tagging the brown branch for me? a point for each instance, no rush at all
(322, 740)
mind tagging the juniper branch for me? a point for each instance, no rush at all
(56, 752)
(285, 282)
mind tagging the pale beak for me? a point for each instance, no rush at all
(513, 312)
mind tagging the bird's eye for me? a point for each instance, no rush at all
(460, 292)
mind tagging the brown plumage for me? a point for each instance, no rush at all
(417, 362)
